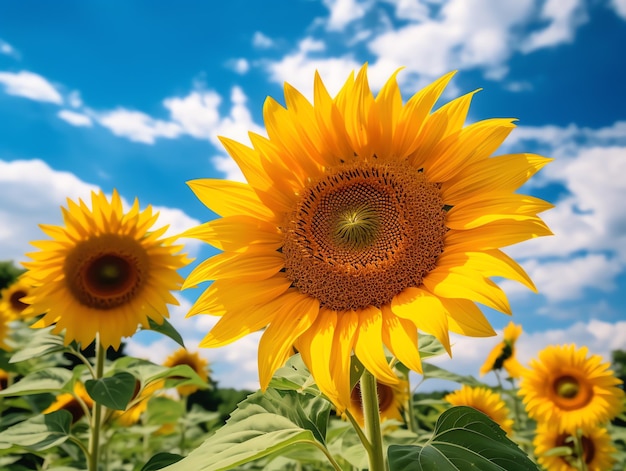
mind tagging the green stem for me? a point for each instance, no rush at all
(357, 428)
(96, 422)
(371, 416)
(84, 359)
(324, 450)
(183, 425)
(580, 451)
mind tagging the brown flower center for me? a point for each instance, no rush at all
(589, 448)
(385, 397)
(107, 271)
(570, 393)
(362, 234)
(15, 300)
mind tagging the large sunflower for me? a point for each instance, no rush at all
(503, 354)
(105, 272)
(183, 357)
(363, 220)
(569, 389)
(486, 401)
(11, 304)
(596, 444)
(392, 399)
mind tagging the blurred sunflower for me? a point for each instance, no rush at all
(138, 405)
(11, 303)
(76, 403)
(486, 401)
(596, 444)
(392, 399)
(570, 390)
(194, 361)
(503, 354)
(363, 220)
(4, 379)
(103, 273)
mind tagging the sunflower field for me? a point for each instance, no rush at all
(369, 229)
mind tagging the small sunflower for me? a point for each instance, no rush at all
(486, 401)
(503, 354)
(105, 272)
(392, 399)
(5, 330)
(11, 303)
(569, 389)
(138, 404)
(4, 379)
(363, 220)
(596, 444)
(193, 360)
(75, 402)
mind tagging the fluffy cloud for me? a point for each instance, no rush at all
(343, 12)
(74, 118)
(620, 7)
(137, 126)
(31, 193)
(197, 114)
(260, 41)
(8, 50)
(563, 17)
(29, 85)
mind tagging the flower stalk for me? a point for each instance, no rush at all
(371, 416)
(96, 419)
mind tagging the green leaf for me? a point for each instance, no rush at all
(262, 425)
(41, 343)
(160, 461)
(429, 346)
(114, 392)
(147, 372)
(432, 371)
(38, 433)
(164, 410)
(168, 330)
(52, 380)
(463, 439)
(294, 376)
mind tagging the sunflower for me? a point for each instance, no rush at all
(75, 402)
(5, 330)
(11, 304)
(486, 401)
(363, 219)
(193, 360)
(4, 379)
(103, 273)
(391, 401)
(503, 354)
(596, 444)
(138, 405)
(569, 389)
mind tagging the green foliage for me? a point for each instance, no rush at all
(114, 392)
(168, 330)
(39, 433)
(463, 439)
(9, 273)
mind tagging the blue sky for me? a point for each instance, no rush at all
(132, 95)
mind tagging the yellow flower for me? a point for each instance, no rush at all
(4, 379)
(486, 401)
(138, 405)
(193, 360)
(102, 273)
(11, 304)
(391, 401)
(71, 402)
(363, 220)
(570, 390)
(5, 329)
(503, 354)
(596, 443)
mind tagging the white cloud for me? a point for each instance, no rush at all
(564, 17)
(410, 9)
(75, 119)
(240, 66)
(344, 12)
(74, 99)
(259, 40)
(197, 114)
(8, 50)
(31, 193)
(620, 7)
(137, 126)
(29, 85)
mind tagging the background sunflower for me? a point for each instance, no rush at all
(486, 401)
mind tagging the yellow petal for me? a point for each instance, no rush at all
(245, 266)
(425, 311)
(235, 233)
(468, 285)
(343, 343)
(369, 345)
(400, 337)
(465, 318)
(228, 198)
(248, 161)
(496, 234)
(278, 339)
